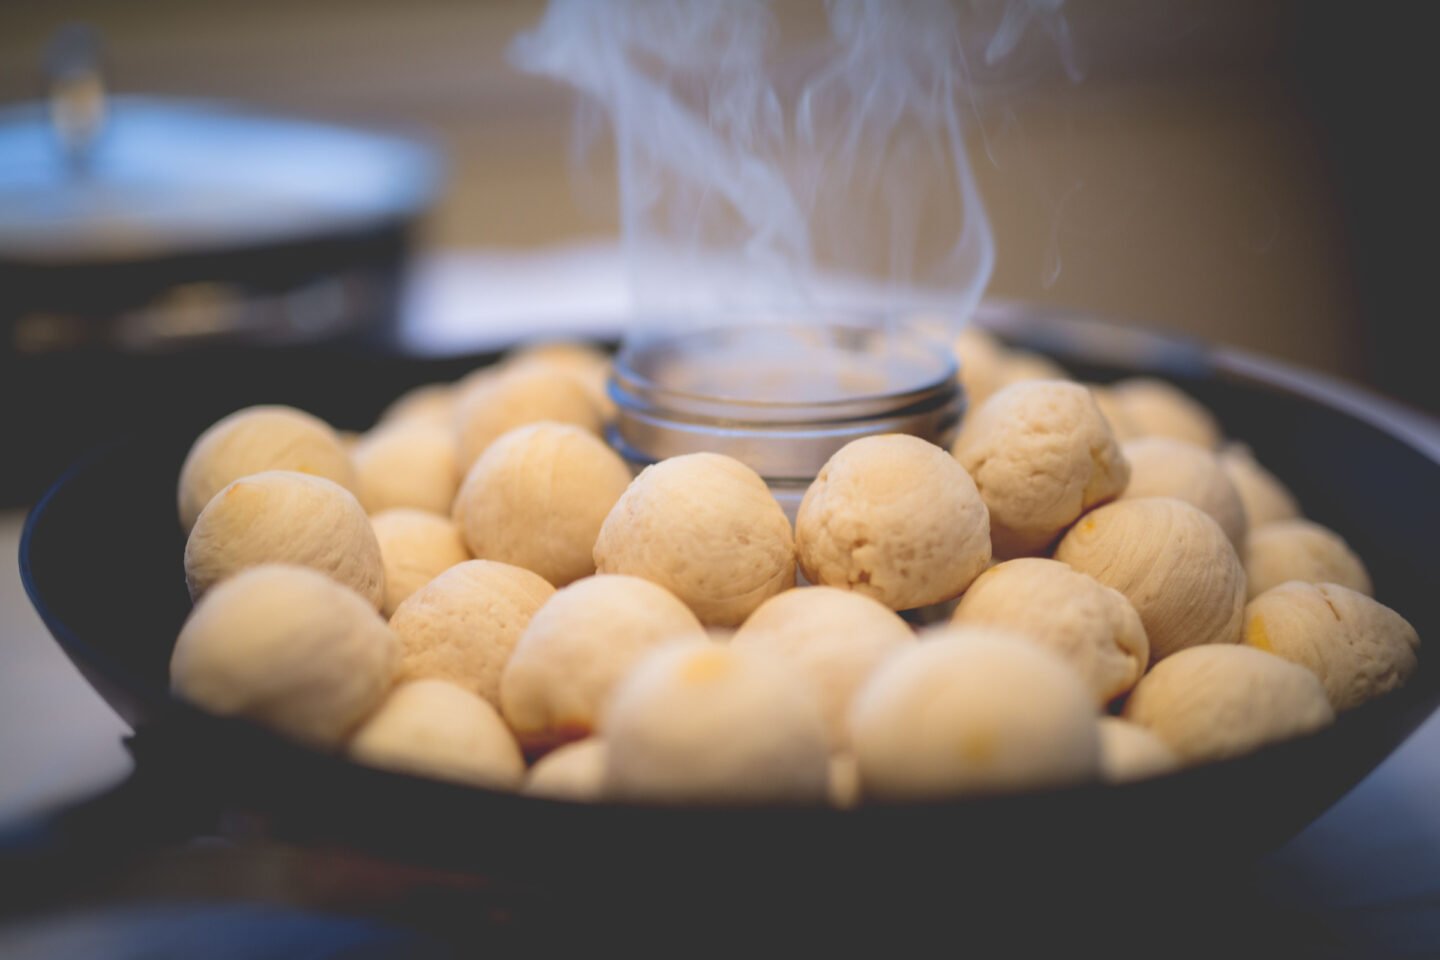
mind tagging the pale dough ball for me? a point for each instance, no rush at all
(1155, 408)
(1301, 550)
(1359, 648)
(1041, 454)
(463, 625)
(416, 547)
(987, 366)
(1266, 499)
(435, 729)
(409, 465)
(289, 648)
(432, 404)
(578, 646)
(1130, 752)
(514, 398)
(1092, 627)
(537, 498)
(715, 724)
(255, 440)
(705, 527)
(895, 518)
(836, 638)
(1173, 563)
(589, 366)
(981, 358)
(1212, 702)
(1019, 365)
(575, 771)
(970, 710)
(1162, 467)
(1114, 413)
(284, 517)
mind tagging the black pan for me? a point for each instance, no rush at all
(102, 562)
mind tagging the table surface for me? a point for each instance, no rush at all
(1370, 865)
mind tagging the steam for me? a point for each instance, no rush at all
(786, 157)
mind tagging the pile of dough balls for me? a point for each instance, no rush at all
(479, 589)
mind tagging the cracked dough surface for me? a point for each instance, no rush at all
(463, 625)
(1359, 648)
(1173, 563)
(1162, 467)
(895, 518)
(1041, 454)
(705, 527)
(255, 440)
(285, 517)
(1092, 627)
(537, 498)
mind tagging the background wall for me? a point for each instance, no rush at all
(1244, 172)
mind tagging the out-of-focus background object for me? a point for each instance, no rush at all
(1247, 172)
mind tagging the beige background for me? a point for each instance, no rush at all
(1175, 186)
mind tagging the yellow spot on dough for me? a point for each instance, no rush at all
(1255, 635)
(705, 666)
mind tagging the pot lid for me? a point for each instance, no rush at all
(87, 178)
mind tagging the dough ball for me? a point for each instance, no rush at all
(1172, 562)
(1265, 498)
(987, 366)
(1114, 412)
(575, 771)
(1130, 752)
(537, 498)
(255, 440)
(432, 404)
(1020, 365)
(895, 518)
(284, 517)
(1041, 454)
(1155, 408)
(410, 465)
(514, 398)
(578, 646)
(435, 729)
(416, 547)
(981, 358)
(1359, 648)
(1092, 627)
(972, 710)
(1212, 702)
(715, 724)
(289, 648)
(589, 366)
(1161, 467)
(463, 625)
(1301, 550)
(705, 527)
(836, 638)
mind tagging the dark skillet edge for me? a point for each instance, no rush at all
(152, 711)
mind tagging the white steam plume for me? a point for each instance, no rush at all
(776, 157)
